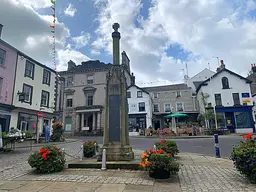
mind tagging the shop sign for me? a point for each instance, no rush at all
(245, 95)
(40, 114)
(246, 100)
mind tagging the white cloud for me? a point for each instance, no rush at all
(31, 33)
(34, 4)
(82, 40)
(70, 10)
(204, 29)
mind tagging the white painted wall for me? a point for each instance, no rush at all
(201, 76)
(38, 86)
(133, 103)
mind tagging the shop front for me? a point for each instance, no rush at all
(5, 116)
(236, 119)
(137, 121)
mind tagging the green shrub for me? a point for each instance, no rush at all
(159, 163)
(168, 146)
(28, 134)
(57, 132)
(49, 159)
(244, 157)
(89, 148)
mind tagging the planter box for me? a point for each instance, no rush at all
(159, 174)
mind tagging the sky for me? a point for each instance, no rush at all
(160, 37)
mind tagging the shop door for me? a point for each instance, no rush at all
(157, 124)
(230, 121)
(3, 124)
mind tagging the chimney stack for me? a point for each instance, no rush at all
(222, 65)
(1, 27)
(132, 79)
(71, 65)
(116, 44)
(253, 68)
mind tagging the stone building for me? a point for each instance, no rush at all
(172, 98)
(84, 96)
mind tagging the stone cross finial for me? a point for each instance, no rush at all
(116, 26)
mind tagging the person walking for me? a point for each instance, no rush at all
(47, 133)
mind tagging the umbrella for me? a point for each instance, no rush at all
(176, 115)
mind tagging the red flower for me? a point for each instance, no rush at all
(249, 136)
(150, 150)
(170, 155)
(161, 151)
(57, 148)
(162, 141)
(154, 151)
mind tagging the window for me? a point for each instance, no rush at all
(69, 81)
(69, 102)
(89, 99)
(218, 100)
(225, 84)
(178, 94)
(89, 79)
(155, 95)
(45, 98)
(139, 94)
(1, 85)
(29, 69)
(27, 90)
(179, 106)
(2, 57)
(156, 108)
(27, 122)
(167, 107)
(243, 119)
(236, 98)
(142, 106)
(128, 94)
(46, 77)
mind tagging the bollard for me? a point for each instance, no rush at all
(82, 153)
(63, 151)
(103, 167)
(154, 147)
(1, 139)
(95, 148)
(216, 145)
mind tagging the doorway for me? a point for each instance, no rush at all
(157, 124)
(90, 118)
(3, 124)
(230, 121)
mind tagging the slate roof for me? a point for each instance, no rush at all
(197, 83)
(252, 77)
(181, 86)
(92, 65)
(142, 89)
(224, 69)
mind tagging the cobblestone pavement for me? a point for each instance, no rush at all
(198, 173)
(14, 164)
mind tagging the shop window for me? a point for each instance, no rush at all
(225, 84)
(243, 120)
(27, 122)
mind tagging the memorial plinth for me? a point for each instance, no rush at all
(116, 132)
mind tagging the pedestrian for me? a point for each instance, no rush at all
(47, 133)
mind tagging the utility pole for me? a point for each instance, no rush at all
(187, 68)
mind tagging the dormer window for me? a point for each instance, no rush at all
(225, 84)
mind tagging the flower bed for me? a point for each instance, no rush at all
(90, 147)
(159, 163)
(49, 159)
(244, 157)
(168, 146)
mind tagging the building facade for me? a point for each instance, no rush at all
(140, 108)
(229, 95)
(8, 57)
(84, 96)
(172, 98)
(34, 92)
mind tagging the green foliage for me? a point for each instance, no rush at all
(6, 139)
(168, 146)
(28, 134)
(48, 160)
(89, 148)
(161, 165)
(57, 133)
(244, 158)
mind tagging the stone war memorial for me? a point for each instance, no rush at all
(116, 132)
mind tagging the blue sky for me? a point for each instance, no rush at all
(159, 37)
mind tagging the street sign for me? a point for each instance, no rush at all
(40, 114)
